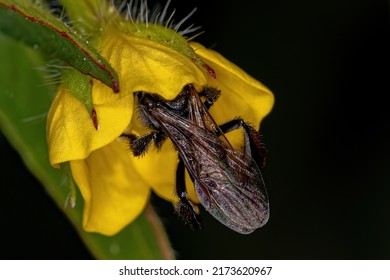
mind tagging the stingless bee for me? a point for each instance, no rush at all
(228, 181)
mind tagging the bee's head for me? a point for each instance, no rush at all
(150, 101)
(146, 100)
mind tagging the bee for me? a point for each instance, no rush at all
(228, 182)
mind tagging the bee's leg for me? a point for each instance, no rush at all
(253, 142)
(139, 144)
(184, 208)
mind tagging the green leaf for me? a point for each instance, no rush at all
(24, 103)
(32, 24)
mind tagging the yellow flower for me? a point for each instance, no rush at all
(114, 184)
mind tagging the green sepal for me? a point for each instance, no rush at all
(85, 14)
(35, 26)
(80, 85)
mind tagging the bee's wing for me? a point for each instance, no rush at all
(228, 184)
(236, 197)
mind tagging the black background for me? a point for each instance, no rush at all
(328, 172)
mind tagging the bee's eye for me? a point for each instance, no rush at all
(139, 94)
(145, 99)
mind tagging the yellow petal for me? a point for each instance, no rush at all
(145, 65)
(71, 134)
(241, 95)
(113, 192)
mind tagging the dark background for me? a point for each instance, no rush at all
(328, 172)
